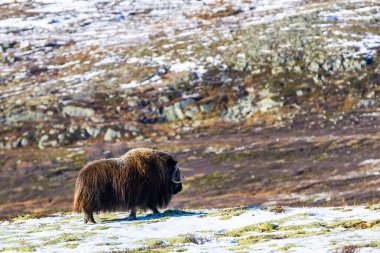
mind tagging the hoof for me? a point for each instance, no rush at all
(131, 218)
(89, 222)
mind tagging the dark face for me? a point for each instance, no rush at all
(176, 179)
(176, 188)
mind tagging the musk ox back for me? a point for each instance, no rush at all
(142, 178)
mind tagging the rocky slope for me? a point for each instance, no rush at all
(73, 71)
(276, 102)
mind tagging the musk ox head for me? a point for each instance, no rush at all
(142, 178)
(176, 180)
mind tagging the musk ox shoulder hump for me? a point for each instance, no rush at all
(138, 152)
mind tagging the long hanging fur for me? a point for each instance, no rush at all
(139, 179)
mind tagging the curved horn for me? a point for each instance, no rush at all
(174, 179)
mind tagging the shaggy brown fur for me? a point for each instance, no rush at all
(142, 178)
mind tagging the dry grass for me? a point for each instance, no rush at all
(347, 249)
(228, 11)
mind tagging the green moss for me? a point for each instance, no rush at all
(107, 216)
(187, 238)
(24, 248)
(252, 240)
(356, 224)
(71, 245)
(320, 157)
(100, 228)
(113, 237)
(373, 207)
(286, 247)
(65, 237)
(150, 249)
(154, 242)
(276, 209)
(108, 244)
(24, 217)
(303, 226)
(262, 227)
(303, 233)
(228, 213)
(27, 248)
(266, 227)
(88, 234)
(181, 250)
(240, 249)
(351, 248)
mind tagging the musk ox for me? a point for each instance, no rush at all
(142, 178)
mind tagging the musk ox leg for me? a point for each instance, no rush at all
(88, 217)
(155, 210)
(132, 215)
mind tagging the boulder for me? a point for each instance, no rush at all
(111, 134)
(23, 116)
(92, 131)
(241, 110)
(76, 111)
(177, 110)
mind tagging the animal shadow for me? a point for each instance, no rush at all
(151, 217)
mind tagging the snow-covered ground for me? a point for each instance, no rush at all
(254, 229)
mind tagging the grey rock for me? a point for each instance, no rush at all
(337, 65)
(163, 99)
(314, 66)
(241, 62)
(15, 144)
(360, 65)
(366, 103)
(24, 142)
(328, 66)
(267, 104)
(243, 108)
(207, 108)
(25, 116)
(73, 129)
(277, 70)
(139, 138)
(53, 131)
(61, 138)
(92, 131)
(43, 141)
(297, 69)
(192, 112)
(53, 143)
(177, 110)
(196, 123)
(346, 63)
(111, 134)
(76, 111)
(256, 71)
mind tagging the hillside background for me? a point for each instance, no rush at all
(262, 102)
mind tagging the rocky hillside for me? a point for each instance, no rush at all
(247, 229)
(74, 71)
(272, 101)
